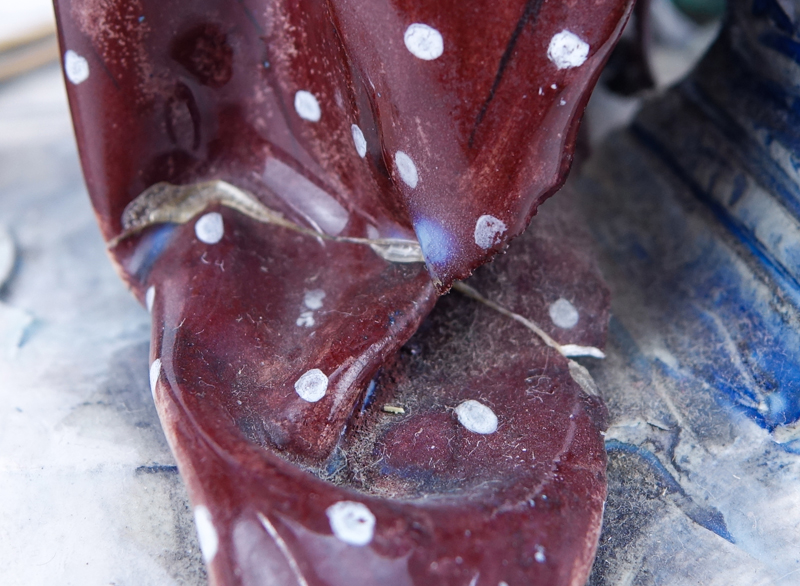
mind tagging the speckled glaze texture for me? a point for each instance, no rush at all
(184, 93)
(520, 505)
(275, 351)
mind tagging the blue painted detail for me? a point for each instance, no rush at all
(418, 475)
(435, 240)
(761, 376)
(753, 157)
(667, 479)
(782, 44)
(370, 394)
(623, 339)
(739, 185)
(772, 10)
(150, 247)
(792, 447)
(707, 517)
(723, 215)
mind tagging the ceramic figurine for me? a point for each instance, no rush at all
(289, 187)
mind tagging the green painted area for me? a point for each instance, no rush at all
(702, 10)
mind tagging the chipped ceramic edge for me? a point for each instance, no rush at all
(581, 375)
(155, 373)
(150, 298)
(566, 350)
(574, 351)
(578, 373)
(166, 203)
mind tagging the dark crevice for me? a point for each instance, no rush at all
(531, 13)
(251, 17)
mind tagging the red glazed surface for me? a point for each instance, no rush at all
(459, 148)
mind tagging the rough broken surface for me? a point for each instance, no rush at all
(264, 95)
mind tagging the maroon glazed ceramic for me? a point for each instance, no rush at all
(474, 457)
(266, 174)
(451, 119)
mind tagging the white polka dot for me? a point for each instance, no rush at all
(306, 319)
(150, 297)
(209, 228)
(567, 50)
(563, 313)
(351, 522)
(312, 385)
(155, 372)
(76, 67)
(477, 417)
(424, 41)
(488, 230)
(313, 299)
(209, 541)
(307, 106)
(359, 141)
(539, 555)
(406, 168)
(502, 584)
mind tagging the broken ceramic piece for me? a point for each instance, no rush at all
(488, 466)
(359, 119)
(268, 177)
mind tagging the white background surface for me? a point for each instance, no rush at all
(88, 492)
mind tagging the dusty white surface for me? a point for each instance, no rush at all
(19, 18)
(88, 489)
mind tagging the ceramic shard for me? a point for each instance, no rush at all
(495, 470)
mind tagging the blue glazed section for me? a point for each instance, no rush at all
(705, 219)
(742, 346)
(435, 240)
(704, 516)
(150, 247)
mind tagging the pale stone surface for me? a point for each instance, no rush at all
(88, 489)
